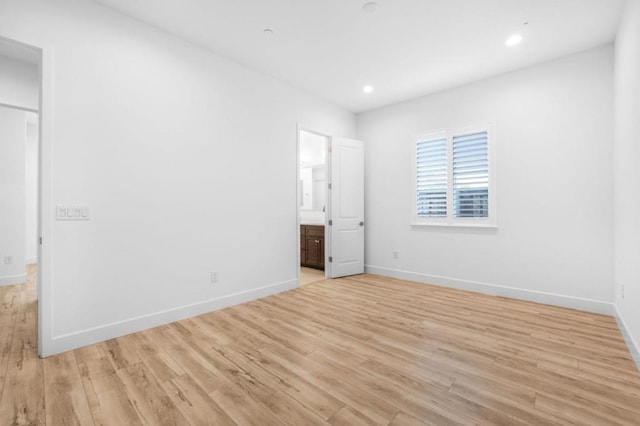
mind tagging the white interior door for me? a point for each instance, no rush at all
(346, 227)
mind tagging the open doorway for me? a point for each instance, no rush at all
(330, 206)
(18, 195)
(312, 204)
(20, 88)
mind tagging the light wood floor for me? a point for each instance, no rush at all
(361, 350)
(310, 275)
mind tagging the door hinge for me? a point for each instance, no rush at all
(329, 147)
(330, 222)
(329, 186)
(330, 259)
(40, 239)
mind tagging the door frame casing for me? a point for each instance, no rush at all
(46, 342)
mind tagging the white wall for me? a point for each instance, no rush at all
(12, 195)
(627, 172)
(553, 126)
(19, 83)
(176, 151)
(31, 189)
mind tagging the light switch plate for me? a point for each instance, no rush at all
(72, 212)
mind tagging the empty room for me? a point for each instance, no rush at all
(338, 212)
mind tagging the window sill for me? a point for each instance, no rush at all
(455, 225)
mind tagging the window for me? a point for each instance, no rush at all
(453, 179)
(431, 177)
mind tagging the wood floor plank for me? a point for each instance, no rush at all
(194, 403)
(337, 385)
(303, 391)
(422, 401)
(573, 414)
(242, 408)
(289, 411)
(120, 353)
(347, 416)
(357, 350)
(106, 395)
(561, 385)
(22, 388)
(219, 362)
(496, 400)
(65, 399)
(152, 403)
(22, 401)
(9, 305)
(403, 419)
(191, 362)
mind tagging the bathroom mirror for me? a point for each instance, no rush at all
(313, 171)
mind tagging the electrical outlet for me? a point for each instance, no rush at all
(214, 277)
(395, 254)
(8, 260)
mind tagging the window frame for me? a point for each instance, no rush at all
(450, 220)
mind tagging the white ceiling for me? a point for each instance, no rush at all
(407, 48)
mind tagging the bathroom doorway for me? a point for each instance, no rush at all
(312, 204)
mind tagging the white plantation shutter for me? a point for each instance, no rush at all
(431, 178)
(455, 179)
(470, 164)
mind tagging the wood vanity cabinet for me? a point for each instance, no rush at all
(312, 246)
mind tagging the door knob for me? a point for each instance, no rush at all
(361, 224)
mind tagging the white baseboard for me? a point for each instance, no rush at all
(13, 280)
(93, 335)
(30, 260)
(570, 302)
(633, 346)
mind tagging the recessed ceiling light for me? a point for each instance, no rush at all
(370, 7)
(268, 32)
(367, 89)
(514, 40)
